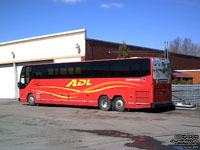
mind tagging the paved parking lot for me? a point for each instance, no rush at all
(50, 127)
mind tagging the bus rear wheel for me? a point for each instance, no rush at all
(104, 103)
(119, 104)
(31, 99)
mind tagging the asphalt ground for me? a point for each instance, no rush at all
(52, 127)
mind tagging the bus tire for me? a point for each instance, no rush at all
(119, 104)
(104, 103)
(31, 99)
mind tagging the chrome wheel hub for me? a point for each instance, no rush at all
(31, 100)
(104, 104)
(119, 104)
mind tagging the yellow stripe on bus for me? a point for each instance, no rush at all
(55, 87)
(53, 94)
(105, 88)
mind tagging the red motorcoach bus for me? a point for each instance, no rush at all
(107, 84)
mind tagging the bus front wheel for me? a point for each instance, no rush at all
(119, 104)
(31, 99)
(104, 103)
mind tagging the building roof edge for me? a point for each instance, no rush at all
(43, 36)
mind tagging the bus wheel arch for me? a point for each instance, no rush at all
(104, 103)
(118, 103)
(31, 99)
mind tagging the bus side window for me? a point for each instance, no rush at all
(139, 67)
(56, 72)
(50, 73)
(38, 75)
(71, 72)
(119, 68)
(100, 69)
(135, 68)
(63, 72)
(85, 70)
(39, 72)
(78, 71)
(146, 67)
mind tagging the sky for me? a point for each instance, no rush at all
(146, 23)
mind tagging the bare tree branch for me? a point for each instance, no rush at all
(185, 46)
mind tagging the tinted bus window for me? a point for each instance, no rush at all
(78, 71)
(95, 69)
(101, 69)
(63, 72)
(119, 68)
(98, 69)
(39, 72)
(50, 72)
(56, 72)
(71, 71)
(139, 67)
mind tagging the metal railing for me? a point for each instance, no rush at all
(183, 93)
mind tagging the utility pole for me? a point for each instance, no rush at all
(166, 54)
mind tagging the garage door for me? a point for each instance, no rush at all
(7, 89)
(7, 81)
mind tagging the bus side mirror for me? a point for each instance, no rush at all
(19, 84)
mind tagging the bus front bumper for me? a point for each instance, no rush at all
(161, 104)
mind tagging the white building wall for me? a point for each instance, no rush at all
(57, 45)
(61, 47)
